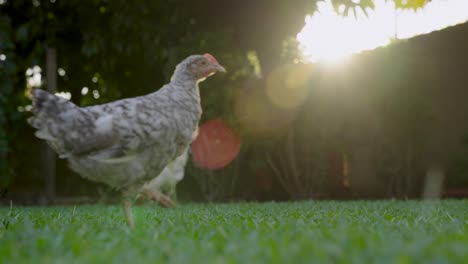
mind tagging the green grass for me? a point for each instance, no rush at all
(304, 232)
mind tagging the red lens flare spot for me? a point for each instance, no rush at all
(216, 145)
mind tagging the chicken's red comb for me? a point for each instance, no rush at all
(211, 58)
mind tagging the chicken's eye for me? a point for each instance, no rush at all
(203, 62)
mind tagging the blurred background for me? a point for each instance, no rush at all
(323, 99)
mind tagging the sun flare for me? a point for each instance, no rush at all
(331, 37)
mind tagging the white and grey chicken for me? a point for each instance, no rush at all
(126, 143)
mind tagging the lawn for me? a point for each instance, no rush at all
(302, 232)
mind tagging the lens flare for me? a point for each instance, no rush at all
(287, 85)
(330, 37)
(255, 111)
(216, 145)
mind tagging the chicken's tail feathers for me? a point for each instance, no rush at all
(43, 101)
(46, 106)
(49, 114)
(40, 98)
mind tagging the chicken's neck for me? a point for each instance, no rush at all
(185, 83)
(182, 75)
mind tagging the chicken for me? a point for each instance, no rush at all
(126, 143)
(163, 187)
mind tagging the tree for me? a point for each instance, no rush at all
(119, 49)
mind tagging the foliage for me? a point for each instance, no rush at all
(324, 232)
(363, 5)
(8, 99)
(118, 50)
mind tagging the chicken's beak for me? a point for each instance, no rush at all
(219, 68)
(214, 62)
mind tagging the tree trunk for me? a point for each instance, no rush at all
(49, 155)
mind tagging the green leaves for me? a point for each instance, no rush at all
(345, 7)
(22, 32)
(349, 7)
(7, 72)
(410, 4)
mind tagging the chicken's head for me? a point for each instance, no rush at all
(199, 67)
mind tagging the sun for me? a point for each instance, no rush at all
(330, 37)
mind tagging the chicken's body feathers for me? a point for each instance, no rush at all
(122, 143)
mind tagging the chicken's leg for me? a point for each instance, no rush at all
(172, 193)
(127, 205)
(156, 195)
